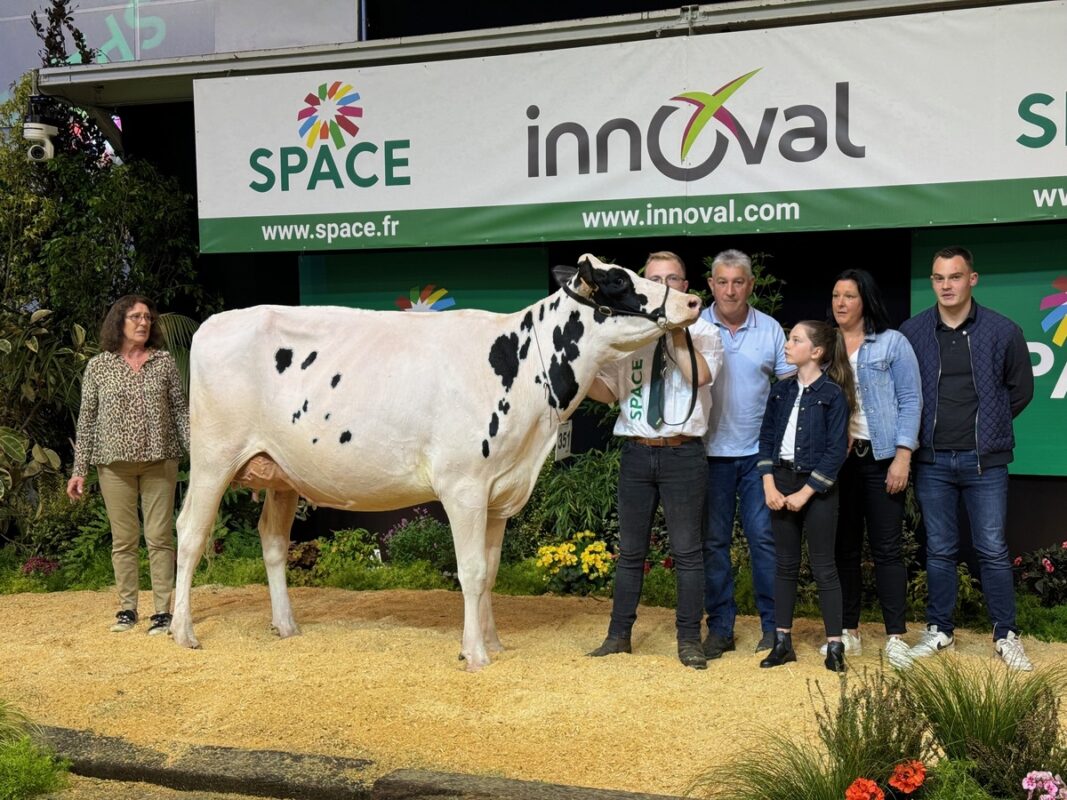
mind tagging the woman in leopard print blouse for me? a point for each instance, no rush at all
(133, 426)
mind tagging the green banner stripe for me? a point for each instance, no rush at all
(964, 203)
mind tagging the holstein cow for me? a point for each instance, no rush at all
(375, 410)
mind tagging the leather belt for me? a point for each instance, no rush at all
(787, 465)
(665, 441)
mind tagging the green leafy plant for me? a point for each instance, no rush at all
(954, 780)
(575, 496)
(26, 770)
(579, 565)
(1043, 573)
(346, 548)
(1002, 721)
(422, 538)
(872, 730)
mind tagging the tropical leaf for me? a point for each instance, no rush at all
(13, 444)
(5, 346)
(78, 334)
(177, 331)
(38, 315)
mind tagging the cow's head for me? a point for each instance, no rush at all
(616, 293)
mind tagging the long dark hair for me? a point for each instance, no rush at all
(112, 330)
(875, 316)
(834, 357)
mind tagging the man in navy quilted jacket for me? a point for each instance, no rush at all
(976, 378)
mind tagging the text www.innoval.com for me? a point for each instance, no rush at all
(1050, 198)
(708, 215)
(332, 231)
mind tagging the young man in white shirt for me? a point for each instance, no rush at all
(662, 461)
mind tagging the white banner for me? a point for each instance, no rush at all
(857, 123)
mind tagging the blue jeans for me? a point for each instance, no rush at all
(939, 487)
(730, 480)
(675, 476)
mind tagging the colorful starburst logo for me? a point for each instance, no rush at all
(329, 114)
(708, 107)
(425, 299)
(1057, 317)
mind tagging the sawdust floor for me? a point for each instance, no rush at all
(375, 675)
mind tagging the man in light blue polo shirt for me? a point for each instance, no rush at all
(754, 351)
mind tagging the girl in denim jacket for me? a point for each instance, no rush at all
(803, 443)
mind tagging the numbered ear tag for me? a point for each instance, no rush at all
(563, 441)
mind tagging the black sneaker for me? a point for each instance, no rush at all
(715, 645)
(124, 620)
(691, 654)
(766, 642)
(160, 624)
(611, 646)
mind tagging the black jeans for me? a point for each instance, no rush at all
(818, 520)
(864, 500)
(677, 477)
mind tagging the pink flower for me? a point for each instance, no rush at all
(1018, 561)
(1048, 565)
(1064, 545)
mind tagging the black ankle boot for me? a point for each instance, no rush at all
(781, 653)
(835, 656)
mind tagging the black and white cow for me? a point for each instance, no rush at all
(376, 410)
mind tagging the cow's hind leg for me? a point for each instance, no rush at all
(494, 538)
(275, 524)
(468, 534)
(195, 522)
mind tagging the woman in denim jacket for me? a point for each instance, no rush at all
(883, 432)
(803, 442)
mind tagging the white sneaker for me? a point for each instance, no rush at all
(898, 653)
(853, 645)
(932, 642)
(1010, 649)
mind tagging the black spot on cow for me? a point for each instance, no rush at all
(504, 406)
(304, 408)
(346, 437)
(565, 339)
(537, 379)
(494, 425)
(282, 359)
(335, 380)
(307, 362)
(296, 416)
(315, 441)
(555, 304)
(504, 358)
(527, 322)
(541, 313)
(485, 448)
(327, 415)
(615, 289)
(564, 386)
(523, 350)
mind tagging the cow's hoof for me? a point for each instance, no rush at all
(186, 641)
(285, 631)
(494, 647)
(474, 663)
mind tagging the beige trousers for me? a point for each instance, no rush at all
(121, 483)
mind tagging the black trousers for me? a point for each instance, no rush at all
(865, 503)
(818, 521)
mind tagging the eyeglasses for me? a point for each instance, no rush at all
(666, 279)
(140, 318)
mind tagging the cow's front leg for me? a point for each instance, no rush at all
(275, 524)
(468, 535)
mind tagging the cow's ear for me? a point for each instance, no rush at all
(563, 274)
(585, 272)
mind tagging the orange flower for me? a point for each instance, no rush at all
(908, 777)
(864, 789)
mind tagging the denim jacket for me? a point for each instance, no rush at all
(822, 430)
(887, 374)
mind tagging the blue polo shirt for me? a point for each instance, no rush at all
(739, 394)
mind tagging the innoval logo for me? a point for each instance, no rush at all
(329, 114)
(813, 132)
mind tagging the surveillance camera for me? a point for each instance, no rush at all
(40, 134)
